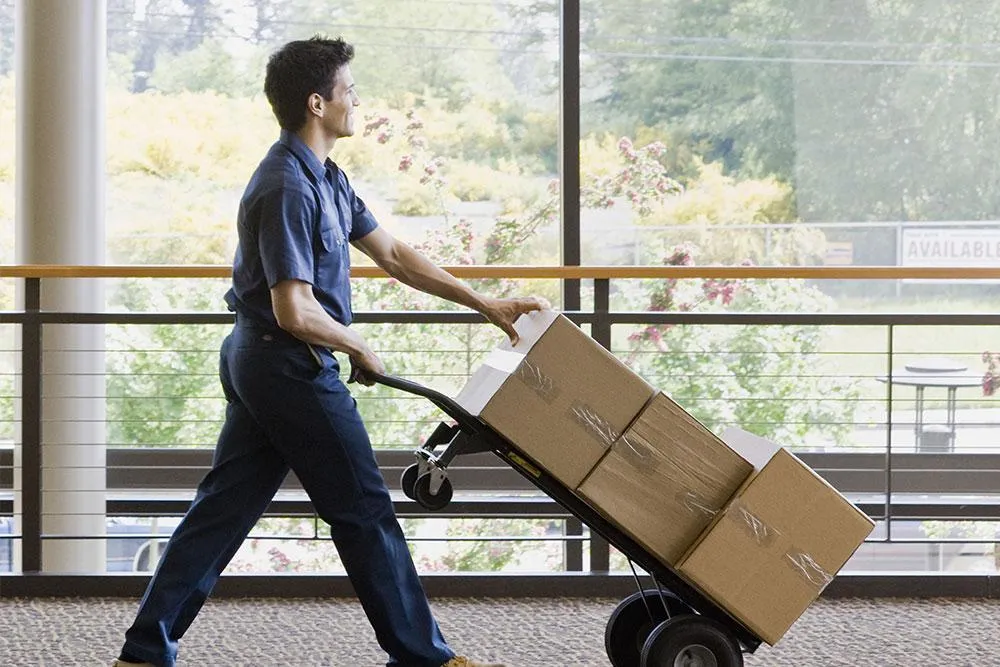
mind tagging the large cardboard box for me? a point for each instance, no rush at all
(665, 479)
(559, 396)
(778, 543)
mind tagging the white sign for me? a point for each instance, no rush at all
(949, 247)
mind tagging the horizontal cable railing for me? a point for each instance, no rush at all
(880, 442)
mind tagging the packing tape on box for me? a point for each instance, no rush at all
(595, 425)
(695, 503)
(761, 533)
(806, 566)
(633, 452)
(638, 455)
(537, 381)
(765, 535)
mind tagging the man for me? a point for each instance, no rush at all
(286, 405)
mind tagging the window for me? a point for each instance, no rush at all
(859, 134)
(7, 131)
(456, 151)
(459, 130)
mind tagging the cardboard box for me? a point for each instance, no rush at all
(665, 479)
(559, 396)
(778, 543)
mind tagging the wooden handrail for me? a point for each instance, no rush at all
(540, 272)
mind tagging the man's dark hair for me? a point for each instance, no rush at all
(299, 69)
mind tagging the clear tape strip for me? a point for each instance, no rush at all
(596, 425)
(640, 456)
(537, 381)
(763, 534)
(806, 566)
(697, 504)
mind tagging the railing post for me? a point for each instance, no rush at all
(569, 146)
(600, 330)
(31, 429)
(573, 527)
(600, 552)
(888, 437)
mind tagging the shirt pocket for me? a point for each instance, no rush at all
(330, 234)
(346, 212)
(331, 257)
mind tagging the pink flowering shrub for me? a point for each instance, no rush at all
(991, 378)
(767, 379)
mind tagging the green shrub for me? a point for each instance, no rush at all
(417, 201)
(472, 182)
(766, 379)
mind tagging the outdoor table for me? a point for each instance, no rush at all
(936, 372)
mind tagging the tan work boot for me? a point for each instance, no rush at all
(462, 661)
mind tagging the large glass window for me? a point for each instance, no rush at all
(7, 333)
(860, 133)
(456, 152)
(789, 133)
(459, 133)
(7, 131)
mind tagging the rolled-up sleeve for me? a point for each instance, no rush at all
(287, 218)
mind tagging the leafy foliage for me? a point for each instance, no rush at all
(162, 381)
(873, 110)
(762, 378)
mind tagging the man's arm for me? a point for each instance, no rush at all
(408, 266)
(300, 314)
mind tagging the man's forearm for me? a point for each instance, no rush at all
(314, 325)
(412, 268)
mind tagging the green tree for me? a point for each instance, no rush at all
(145, 33)
(680, 68)
(874, 110)
(210, 67)
(162, 380)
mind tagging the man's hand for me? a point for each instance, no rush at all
(504, 312)
(364, 363)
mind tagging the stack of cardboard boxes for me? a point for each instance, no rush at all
(740, 518)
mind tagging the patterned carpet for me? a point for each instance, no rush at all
(524, 633)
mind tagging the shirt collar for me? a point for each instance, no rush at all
(300, 150)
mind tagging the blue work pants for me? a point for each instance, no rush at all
(286, 410)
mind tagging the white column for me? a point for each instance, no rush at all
(60, 179)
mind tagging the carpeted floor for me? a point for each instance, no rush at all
(524, 633)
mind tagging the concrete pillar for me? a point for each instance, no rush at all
(60, 181)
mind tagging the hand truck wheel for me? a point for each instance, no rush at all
(423, 495)
(633, 619)
(408, 480)
(691, 641)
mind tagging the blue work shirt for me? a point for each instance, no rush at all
(296, 220)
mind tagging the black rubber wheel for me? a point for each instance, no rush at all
(691, 641)
(422, 492)
(630, 624)
(408, 480)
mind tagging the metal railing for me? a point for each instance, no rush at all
(891, 485)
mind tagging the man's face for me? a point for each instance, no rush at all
(338, 119)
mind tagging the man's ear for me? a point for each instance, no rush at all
(315, 104)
